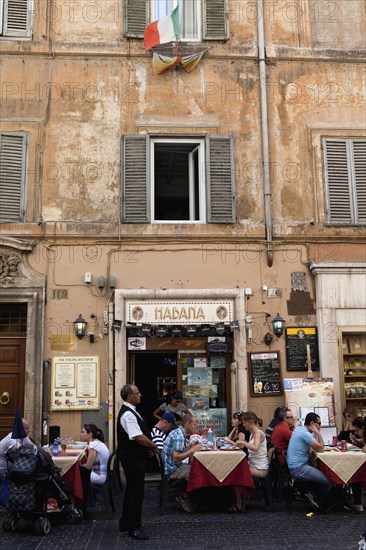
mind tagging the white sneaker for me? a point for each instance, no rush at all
(184, 502)
(358, 508)
(311, 499)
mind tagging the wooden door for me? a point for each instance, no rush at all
(12, 374)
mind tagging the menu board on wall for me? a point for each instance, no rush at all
(265, 374)
(297, 339)
(75, 383)
(305, 395)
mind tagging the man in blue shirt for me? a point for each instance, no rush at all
(304, 440)
(176, 450)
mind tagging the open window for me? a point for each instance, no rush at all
(199, 20)
(177, 180)
(190, 16)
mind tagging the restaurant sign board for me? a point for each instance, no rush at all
(179, 312)
(75, 383)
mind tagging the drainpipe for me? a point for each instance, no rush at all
(45, 401)
(265, 139)
(111, 379)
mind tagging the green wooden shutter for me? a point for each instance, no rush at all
(13, 148)
(17, 18)
(136, 17)
(359, 158)
(220, 180)
(135, 180)
(215, 20)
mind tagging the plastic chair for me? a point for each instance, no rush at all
(105, 489)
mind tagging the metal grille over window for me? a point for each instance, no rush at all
(13, 319)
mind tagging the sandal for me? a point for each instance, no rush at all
(234, 509)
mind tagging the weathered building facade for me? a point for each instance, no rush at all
(234, 192)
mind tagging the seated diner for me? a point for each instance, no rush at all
(94, 469)
(257, 453)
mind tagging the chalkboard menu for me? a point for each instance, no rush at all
(265, 374)
(297, 339)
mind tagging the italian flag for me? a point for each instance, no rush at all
(163, 30)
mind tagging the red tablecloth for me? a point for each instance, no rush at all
(200, 477)
(72, 480)
(359, 476)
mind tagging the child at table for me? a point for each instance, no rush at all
(94, 469)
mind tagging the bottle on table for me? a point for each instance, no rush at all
(55, 448)
(210, 438)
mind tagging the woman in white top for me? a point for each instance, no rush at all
(257, 453)
(93, 469)
(257, 445)
(97, 453)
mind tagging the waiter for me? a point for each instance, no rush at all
(134, 448)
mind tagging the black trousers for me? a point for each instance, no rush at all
(134, 469)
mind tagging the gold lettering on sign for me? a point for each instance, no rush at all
(177, 314)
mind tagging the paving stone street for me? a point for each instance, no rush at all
(256, 529)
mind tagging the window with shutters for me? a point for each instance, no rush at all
(15, 18)
(199, 19)
(345, 180)
(13, 157)
(177, 180)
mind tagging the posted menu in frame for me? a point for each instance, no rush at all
(75, 383)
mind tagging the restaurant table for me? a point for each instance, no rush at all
(343, 467)
(219, 469)
(70, 471)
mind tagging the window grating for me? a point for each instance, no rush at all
(13, 319)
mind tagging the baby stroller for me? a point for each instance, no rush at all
(33, 482)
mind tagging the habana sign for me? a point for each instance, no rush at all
(179, 312)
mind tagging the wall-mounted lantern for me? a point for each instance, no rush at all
(80, 327)
(278, 325)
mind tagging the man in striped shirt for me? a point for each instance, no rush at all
(160, 431)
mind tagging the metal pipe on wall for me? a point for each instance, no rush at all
(264, 128)
(45, 401)
(111, 380)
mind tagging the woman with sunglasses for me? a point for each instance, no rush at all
(238, 432)
(349, 414)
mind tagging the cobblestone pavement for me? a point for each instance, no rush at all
(213, 529)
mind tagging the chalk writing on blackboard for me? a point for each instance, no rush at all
(265, 374)
(297, 338)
